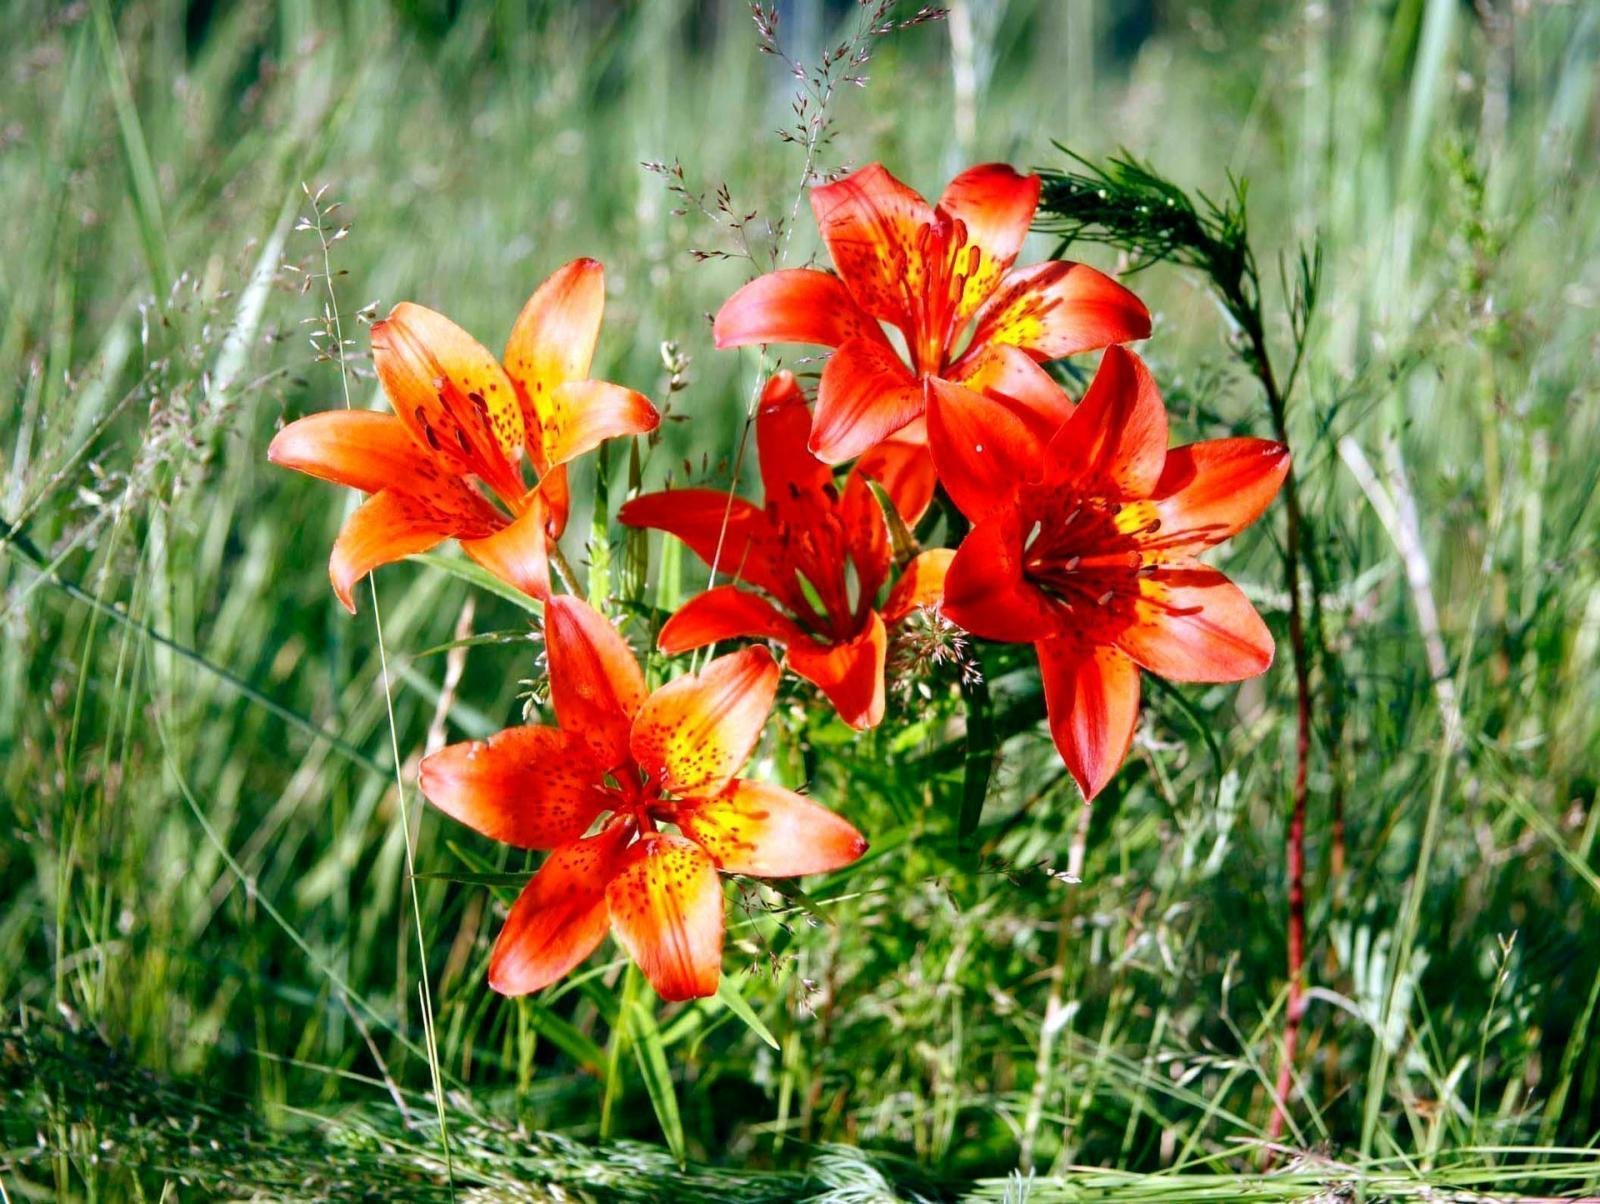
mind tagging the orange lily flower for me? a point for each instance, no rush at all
(446, 463)
(814, 556)
(1085, 545)
(623, 764)
(934, 273)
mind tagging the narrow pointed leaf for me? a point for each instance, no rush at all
(978, 763)
(472, 574)
(650, 1051)
(728, 993)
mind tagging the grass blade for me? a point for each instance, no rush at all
(978, 760)
(728, 993)
(650, 1051)
(479, 577)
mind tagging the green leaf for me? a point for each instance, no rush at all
(1201, 727)
(475, 641)
(472, 879)
(473, 722)
(479, 871)
(566, 1038)
(616, 1043)
(731, 999)
(902, 544)
(591, 984)
(143, 187)
(692, 1023)
(474, 574)
(635, 540)
(798, 898)
(651, 1053)
(600, 531)
(978, 763)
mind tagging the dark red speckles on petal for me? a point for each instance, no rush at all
(666, 910)
(452, 392)
(872, 224)
(561, 915)
(391, 525)
(595, 682)
(696, 732)
(533, 787)
(764, 830)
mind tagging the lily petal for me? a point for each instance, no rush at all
(1116, 443)
(866, 539)
(1212, 490)
(725, 531)
(561, 915)
(873, 226)
(696, 732)
(1010, 376)
(390, 526)
(921, 583)
(582, 414)
(984, 590)
(793, 305)
(866, 395)
(790, 475)
(553, 339)
(849, 674)
(557, 495)
(1091, 695)
(596, 687)
(533, 787)
(451, 393)
(1192, 624)
(902, 465)
(996, 205)
(363, 449)
(723, 612)
(519, 553)
(666, 909)
(1056, 308)
(768, 832)
(983, 452)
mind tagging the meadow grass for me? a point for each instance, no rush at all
(220, 978)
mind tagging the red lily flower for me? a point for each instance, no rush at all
(931, 272)
(633, 763)
(1085, 546)
(814, 556)
(438, 465)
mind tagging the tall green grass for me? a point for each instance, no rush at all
(203, 867)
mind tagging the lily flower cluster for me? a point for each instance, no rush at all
(1080, 534)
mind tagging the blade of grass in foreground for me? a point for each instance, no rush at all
(650, 1051)
(480, 578)
(319, 963)
(325, 238)
(728, 993)
(136, 154)
(20, 547)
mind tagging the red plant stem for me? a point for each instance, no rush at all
(1337, 858)
(1295, 855)
(1295, 839)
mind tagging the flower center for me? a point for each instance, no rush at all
(950, 261)
(1083, 552)
(826, 592)
(627, 791)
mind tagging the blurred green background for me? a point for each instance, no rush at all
(208, 960)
